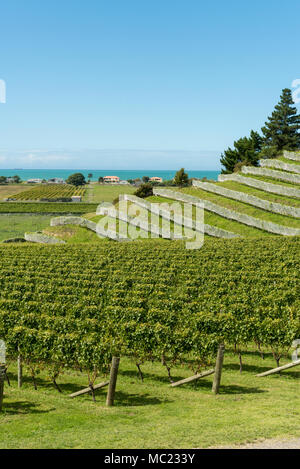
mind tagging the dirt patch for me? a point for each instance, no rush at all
(64, 232)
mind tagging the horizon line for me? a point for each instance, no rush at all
(94, 169)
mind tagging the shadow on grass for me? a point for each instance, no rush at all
(23, 407)
(235, 389)
(129, 399)
(246, 368)
(149, 376)
(206, 385)
(41, 383)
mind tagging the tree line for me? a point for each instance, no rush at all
(280, 132)
(15, 179)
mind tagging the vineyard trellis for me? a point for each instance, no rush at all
(49, 192)
(78, 306)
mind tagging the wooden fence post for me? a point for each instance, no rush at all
(113, 381)
(2, 376)
(20, 372)
(218, 369)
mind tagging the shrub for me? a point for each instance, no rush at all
(76, 179)
(145, 190)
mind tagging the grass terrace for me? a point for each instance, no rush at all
(280, 199)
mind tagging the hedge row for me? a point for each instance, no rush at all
(47, 207)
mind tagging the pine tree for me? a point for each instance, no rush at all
(246, 151)
(281, 131)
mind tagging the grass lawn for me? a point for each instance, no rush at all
(151, 414)
(15, 225)
(74, 234)
(286, 160)
(272, 180)
(97, 193)
(280, 199)
(11, 189)
(241, 207)
(221, 222)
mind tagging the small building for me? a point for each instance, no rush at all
(34, 181)
(111, 179)
(124, 182)
(76, 198)
(56, 181)
(156, 179)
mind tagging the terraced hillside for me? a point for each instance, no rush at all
(257, 202)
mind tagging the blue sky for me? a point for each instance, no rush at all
(139, 84)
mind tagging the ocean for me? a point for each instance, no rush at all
(26, 174)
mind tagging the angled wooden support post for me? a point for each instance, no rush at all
(218, 369)
(192, 378)
(112, 381)
(278, 369)
(88, 390)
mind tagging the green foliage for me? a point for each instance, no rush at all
(78, 306)
(3, 180)
(51, 207)
(76, 179)
(181, 178)
(246, 151)
(281, 131)
(269, 152)
(145, 190)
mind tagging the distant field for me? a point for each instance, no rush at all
(97, 193)
(12, 189)
(14, 226)
(92, 193)
(51, 192)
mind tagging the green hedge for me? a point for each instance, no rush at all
(47, 207)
